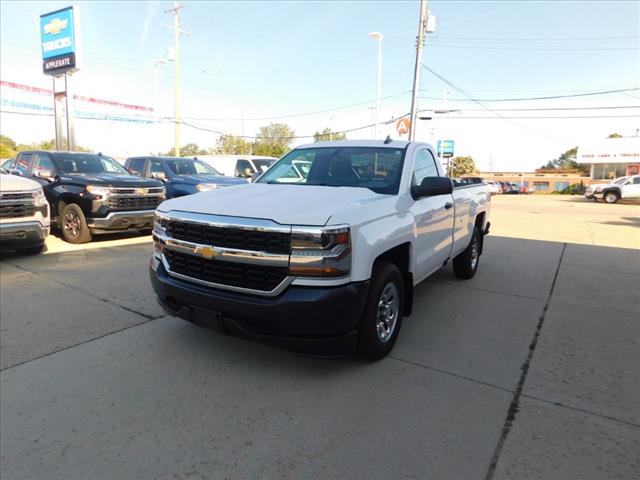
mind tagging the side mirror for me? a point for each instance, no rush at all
(46, 174)
(432, 186)
(15, 171)
(247, 173)
(159, 176)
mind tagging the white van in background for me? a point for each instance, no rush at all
(243, 166)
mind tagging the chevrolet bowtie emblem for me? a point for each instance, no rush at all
(55, 26)
(140, 191)
(206, 252)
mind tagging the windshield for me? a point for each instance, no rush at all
(376, 168)
(88, 163)
(262, 164)
(190, 167)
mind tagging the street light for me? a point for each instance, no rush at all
(377, 36)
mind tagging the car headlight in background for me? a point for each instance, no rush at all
(205, 187)
(98, 190)
(38, 197)
(320, 251)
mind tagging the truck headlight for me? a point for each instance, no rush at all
(320, 251)
(38, 198)
(98, 190)
(205, 187)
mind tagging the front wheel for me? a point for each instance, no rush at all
(466, 263)
(382, 315)
(611, 197)
(74, 225)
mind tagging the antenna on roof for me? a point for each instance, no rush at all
(387, 140)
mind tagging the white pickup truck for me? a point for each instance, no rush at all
(24, 215)
(324, 265)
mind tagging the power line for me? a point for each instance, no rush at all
(551, 97)
(541, 118)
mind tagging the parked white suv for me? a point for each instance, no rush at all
(620, 188)
(322, 260)
(242, 166)
(24, 215)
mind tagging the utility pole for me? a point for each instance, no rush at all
(176, 64)
(416, 74)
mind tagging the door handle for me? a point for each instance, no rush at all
(448, 205)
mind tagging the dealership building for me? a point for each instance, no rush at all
(611, 158)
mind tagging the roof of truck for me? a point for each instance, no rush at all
(358, 143)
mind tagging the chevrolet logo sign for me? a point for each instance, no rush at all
(141, 191)
(206, 251)
(55, 26)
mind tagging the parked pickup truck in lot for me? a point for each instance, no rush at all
(181, 176)
(24, 215)
(620, 188)
(91, 193)
(326, 265)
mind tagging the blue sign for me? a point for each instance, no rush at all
(58, 41)
(445, 148)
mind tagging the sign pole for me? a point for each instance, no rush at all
(71, 140)
(57, 110)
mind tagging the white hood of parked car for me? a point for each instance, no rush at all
(16, 183)
(284, 204)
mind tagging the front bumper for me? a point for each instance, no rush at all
(125, 220)
(22, 234)
(319, 321)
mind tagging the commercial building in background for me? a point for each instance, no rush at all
(543, 180)
(611, 157)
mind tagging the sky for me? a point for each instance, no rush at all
(312, 65)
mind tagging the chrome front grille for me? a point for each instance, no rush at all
(17, 205)
(226, 253)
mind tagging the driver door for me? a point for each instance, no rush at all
(631, 188)
(433, 220)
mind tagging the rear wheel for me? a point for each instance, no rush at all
(611, 196)
(383, 311)
(466, 263)
(74, 225)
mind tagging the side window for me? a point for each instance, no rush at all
(636, 181)
(157, 167)
(241, 168)
(137, 165)
(42, 162)
(424, 166)
(22, 165)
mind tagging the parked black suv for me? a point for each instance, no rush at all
(91, 193)
(181, 176)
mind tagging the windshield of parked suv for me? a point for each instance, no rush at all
(620, 180)
(191, 167)
(88, 163)
(262, 164)
(376, 168)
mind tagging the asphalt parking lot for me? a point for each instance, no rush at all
(531, 370)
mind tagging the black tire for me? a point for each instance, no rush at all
(611, 196)
(146, 231)
(73, 225)
(30, 250)
(386, 282)
(466, 263)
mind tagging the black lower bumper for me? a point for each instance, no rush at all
(309, 320)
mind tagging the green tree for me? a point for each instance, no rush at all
(614, 135)
(327, 135)
(463, 166)
(188, 150)
(567, 161)
(7, 147)
(273, 140)
(231, 145)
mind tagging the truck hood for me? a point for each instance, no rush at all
(109, 180)
(16, 183)
(217, 179)
(284, 204)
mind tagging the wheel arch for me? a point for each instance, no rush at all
(400, 256)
